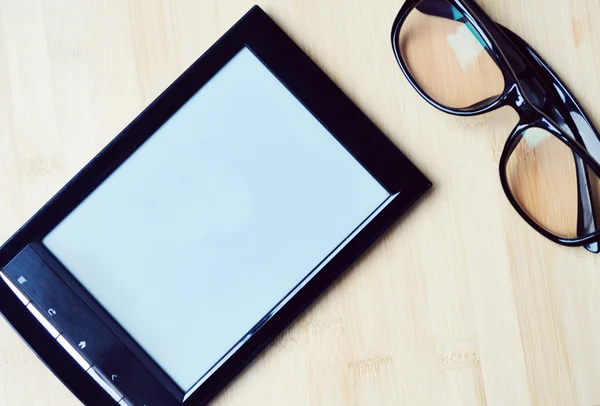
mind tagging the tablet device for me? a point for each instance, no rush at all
(200, 232)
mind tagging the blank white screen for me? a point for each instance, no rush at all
(209, 224)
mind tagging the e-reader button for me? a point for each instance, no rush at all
(73, 352)
(30, 275)
(22, 297)
(125, 371)
(43, 320)
(105, 384)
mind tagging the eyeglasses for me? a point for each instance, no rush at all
(463, 63)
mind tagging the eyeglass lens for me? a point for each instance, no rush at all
(542, 174)
(447, 57)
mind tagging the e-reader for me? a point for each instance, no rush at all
(205, 227)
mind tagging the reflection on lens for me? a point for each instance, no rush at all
(542, 176)
(447, 57)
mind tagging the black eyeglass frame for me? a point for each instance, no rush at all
(509, 50)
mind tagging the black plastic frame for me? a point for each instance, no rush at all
(344, 120)
(539, 97)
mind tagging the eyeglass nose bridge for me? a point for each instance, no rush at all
(515, 99)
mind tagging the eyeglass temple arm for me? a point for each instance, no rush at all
(586, 221)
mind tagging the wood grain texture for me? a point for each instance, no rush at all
(460, 304)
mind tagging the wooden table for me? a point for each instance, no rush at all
(460, 304)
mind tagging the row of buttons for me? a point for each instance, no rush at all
(64, 342)
(85, 337)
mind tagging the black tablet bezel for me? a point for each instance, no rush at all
(322, 98)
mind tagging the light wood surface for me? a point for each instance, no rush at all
(460, 304)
